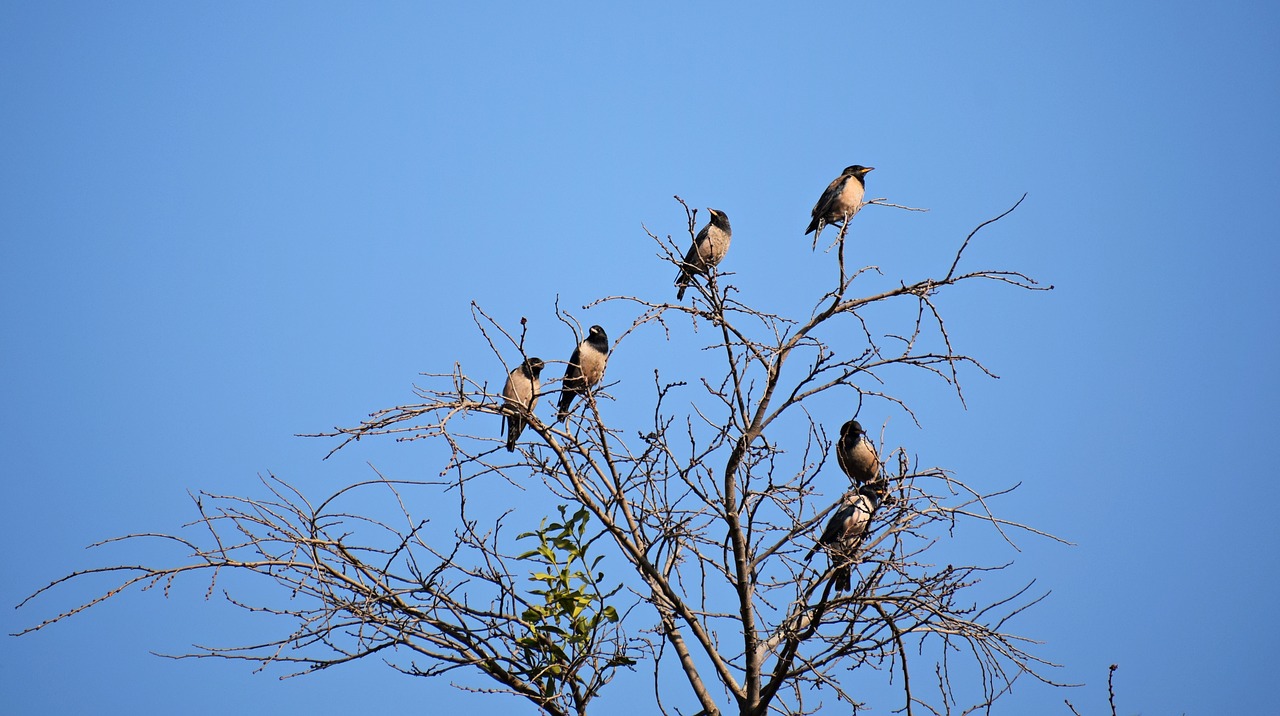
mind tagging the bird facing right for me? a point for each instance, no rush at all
(844, 532)
(840, 201)
(708, 250)
(586, 368)
(520, 395)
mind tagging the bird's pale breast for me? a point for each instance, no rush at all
(850, 198)
(592, 364)
(859, 518)
(712, 250)
(520, 390)
(863, 457)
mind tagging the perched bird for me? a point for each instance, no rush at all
(520, 395)
(840, 201)
(844, 533)
(708, 249)
(857, 457)
(586, 367)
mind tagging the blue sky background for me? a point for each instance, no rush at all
(224, 224)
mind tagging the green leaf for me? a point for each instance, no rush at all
(564, 545)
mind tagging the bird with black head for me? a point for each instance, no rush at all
(586, 368)
(519, 396)
(857, 457)
(708, 250)
(840, 201)
(844, 532)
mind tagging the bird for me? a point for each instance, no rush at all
(708, 249)
(857, 457)
(840, 201)
(586, 367)
(844, 533)
(520, 394)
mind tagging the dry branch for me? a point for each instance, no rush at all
(707, 510)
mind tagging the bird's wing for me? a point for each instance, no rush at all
(829, 197)
(573, 374)
(508, 396)
(696, 260)
(873, 459)
(842, 459)
(691, 264)
(836, 526)
(701, 239)
(876, 465)
(519, 388)
(509, 389)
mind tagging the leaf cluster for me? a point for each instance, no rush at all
(565, 626)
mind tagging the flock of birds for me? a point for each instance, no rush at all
(855, 453)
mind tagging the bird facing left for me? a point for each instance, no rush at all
(857, 457)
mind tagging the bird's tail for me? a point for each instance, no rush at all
(515, 425)
(566, 400)
(682, 281)
(841, 579)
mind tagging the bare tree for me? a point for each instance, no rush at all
(702, 519)
(1111, 691)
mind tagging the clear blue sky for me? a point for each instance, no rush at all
(224, 224)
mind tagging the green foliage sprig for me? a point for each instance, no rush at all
(565, 628)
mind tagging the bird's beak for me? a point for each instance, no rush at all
(867, 169)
